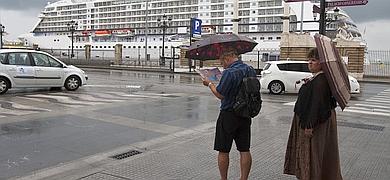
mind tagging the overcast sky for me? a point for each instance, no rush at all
(373, 19)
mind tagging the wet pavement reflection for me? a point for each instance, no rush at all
(159, 78)
(16, 130)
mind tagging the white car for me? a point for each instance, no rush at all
(285, 76)
(21, 68)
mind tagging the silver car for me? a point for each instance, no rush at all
(21, 68)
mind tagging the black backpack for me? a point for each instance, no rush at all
(248, 100)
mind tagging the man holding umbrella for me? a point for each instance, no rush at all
(230, 126)
(226, 48)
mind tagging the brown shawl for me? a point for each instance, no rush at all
(314, 102)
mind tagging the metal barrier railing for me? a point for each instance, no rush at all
(377, 63)
(106, 57)
(169, 64)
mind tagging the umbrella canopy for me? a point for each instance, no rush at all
(211, 47)
(334, 68)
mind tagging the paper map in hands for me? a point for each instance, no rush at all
(211, 74)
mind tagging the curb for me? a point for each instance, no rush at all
(375, 79)
(128, 68)
(137, 69)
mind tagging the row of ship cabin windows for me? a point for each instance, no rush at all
(269, 38)
(124, 47)
(155, 47)
(154, 39)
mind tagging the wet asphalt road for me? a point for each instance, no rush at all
(40, 128)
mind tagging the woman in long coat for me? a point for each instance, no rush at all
(312, 150)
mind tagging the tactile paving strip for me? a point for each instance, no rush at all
(101, 176)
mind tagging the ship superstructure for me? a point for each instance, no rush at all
(105, 23)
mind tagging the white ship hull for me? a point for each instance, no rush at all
(132, 50)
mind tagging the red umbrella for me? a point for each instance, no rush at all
(211, 47)
(335, 70)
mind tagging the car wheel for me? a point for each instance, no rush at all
(4, 85)
(276, 87)
(72, 83)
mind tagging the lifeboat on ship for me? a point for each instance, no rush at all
(123, 33)
(102, 33)
(85, 33)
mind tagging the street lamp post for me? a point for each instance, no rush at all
(322, 29)
(2, 28)
(72, 27)
(164, 24)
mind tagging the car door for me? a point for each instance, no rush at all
(304, 73)
(19, 67)
(296, 72)
(48, 71)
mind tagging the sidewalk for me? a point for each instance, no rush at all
(364, 153)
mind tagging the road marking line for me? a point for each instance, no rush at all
(127, 94)
(143, 95)
(137, 95)
(382, 96)
(374, 100)
(63, 99)
(97, 85)
(24, 107)
(289, 103)
(372, 105)
(47, 101)
(88, 97)
(369, 109)
(133, 86)
(367, 112)
(16, 112)
(155, 94)
(108, 96)
(380, 99)
(384, 93)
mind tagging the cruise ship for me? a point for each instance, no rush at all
(104, 23)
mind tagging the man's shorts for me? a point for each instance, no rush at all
(231, 127)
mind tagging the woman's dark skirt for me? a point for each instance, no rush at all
(316, 157)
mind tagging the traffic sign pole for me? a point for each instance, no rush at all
(322, 17)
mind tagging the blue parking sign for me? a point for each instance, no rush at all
(196, 27)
